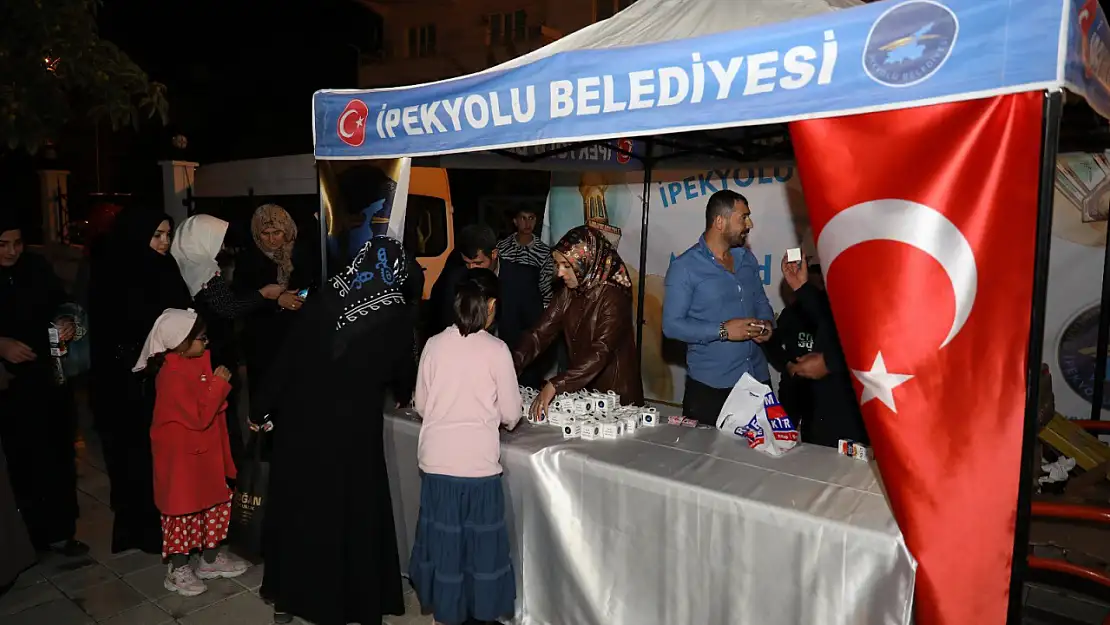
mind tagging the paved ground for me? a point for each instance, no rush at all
(126, 589)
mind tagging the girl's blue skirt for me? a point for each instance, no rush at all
(460, 565)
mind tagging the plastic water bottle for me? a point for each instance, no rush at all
(58, 350)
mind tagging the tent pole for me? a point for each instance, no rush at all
(649, 163)
(322, 219)
(1050, 138)
(1103, 335)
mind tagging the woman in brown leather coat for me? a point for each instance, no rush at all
(594, 313)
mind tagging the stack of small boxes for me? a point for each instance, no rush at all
(852, 449)
(590, 415)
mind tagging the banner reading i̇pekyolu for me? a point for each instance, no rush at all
(361, 199)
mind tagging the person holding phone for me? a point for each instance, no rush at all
(275, 258)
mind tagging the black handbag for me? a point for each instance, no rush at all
(248, 507)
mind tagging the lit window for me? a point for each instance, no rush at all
(495, 31)
(422, 41)
(506, 27)
(520, 25)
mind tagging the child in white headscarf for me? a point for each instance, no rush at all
(191, 450)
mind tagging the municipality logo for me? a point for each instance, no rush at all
(1076, 355)
(909, 43)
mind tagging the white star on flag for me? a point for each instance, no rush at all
(358, 122)
(879, 384)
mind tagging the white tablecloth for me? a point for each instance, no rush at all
(677, 526)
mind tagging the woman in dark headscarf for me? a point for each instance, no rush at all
(330, 546)
(274, 258)
(132, 280)
(594, 314)
(38, 420)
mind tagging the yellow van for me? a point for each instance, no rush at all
(429, 222)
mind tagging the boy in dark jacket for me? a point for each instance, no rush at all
(816, 387)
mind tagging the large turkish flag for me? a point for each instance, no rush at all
(925, 224)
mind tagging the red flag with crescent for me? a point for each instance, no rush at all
(925, 223)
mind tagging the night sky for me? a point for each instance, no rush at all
(240, 73)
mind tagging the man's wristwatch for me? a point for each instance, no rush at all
(722, 332)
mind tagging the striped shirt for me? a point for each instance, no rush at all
(535, 254)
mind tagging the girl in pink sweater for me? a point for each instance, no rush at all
(466, 389)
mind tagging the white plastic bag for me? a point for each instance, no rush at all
(753, 413)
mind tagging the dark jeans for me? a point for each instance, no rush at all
(704, 402)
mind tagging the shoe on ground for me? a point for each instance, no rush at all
(282, 618)
(183, 581)
(225, 565)
(71, 548)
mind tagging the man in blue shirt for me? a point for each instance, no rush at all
(715, 303)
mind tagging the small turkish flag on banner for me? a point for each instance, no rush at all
(925, 222)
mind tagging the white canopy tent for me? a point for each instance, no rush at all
(668, 67)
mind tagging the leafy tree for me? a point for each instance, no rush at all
(55, 69)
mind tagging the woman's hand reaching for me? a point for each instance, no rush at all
(15, 352)
(272, 291)
(539, 405)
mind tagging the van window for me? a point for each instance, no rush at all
(426, 225)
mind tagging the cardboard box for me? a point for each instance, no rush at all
(1075, 442)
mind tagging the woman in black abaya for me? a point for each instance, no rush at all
(132, 280)
(38, 419)
(330, 546)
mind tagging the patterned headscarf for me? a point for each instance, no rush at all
(274, 216)
(593, 259)
(371, 287)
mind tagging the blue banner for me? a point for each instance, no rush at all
(883, 55)
(1087, 69)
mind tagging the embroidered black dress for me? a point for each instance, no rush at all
(330, 543)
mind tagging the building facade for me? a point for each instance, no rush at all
(428, 40)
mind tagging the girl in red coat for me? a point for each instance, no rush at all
(191, 450)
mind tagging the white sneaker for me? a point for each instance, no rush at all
(225, 565)
(183, 581)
